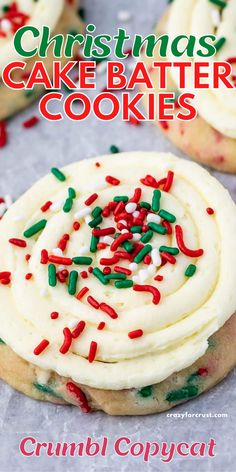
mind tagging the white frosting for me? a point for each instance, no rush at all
(42, 12)
(175, 331)
(197, 17)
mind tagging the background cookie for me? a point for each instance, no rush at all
(197, 138)
(12, 101)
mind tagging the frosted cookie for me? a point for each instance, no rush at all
(211, 137)
(118, 284)
(60, 15)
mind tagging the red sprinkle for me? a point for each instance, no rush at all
(210, 211)
(164, 124)
(122, 270)
(181, 244)
(147, 259)
(167, 226)
(27, 257)
(78, 329)
(30, 122)
(169, 181)
(106, 270)
(76, 225)
(84, 274)
(168, 257)
(80, 396)
(91, 199)
(159, 278)
(137, 333)
(67, 341)
(108, 310)
(105, 212)
(46, 206)
(41, 347)
(97, 164)
(5, 275)
(60, 260)
(121, 239)
(18, 242)
(103, 232)
(148, 288)
(136, 196)
(92, 351)
(3, 134)
(28, 276)
(122, 255)
(82, 292)
(101, 246)
(94, 303)
(101, 325)
(54, 315)
(44, 256)
(63, 242)
(202, 371)
(109, 261)
(112, 180)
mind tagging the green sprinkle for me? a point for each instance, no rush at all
(52, 275)
(171, 250)
(219, 3)
(93, 243)
(145, 205)
(73, 277)
(114, 276)
(167, 216)
(145, 391)
(190, 271)
(157, 228)
(1, 341)
(45, 389)
(156, 200)
(136, 229)
(34, 229)
(68, 205)
(122, 198)
(95, 222)
(58, 174)
(186, 392)
(128, 246)
(192, 377)
(124, 283)
(114, 149)
(146, 237)
(144, 251)
(219, 44)
(71, 192)
(82, 260)
(96, 212)
(100, 276)
(5, 8)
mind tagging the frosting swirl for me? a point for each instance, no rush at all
(202, 17)
(176, 328)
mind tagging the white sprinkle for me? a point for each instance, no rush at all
(130, 207)
(57, 251)
(3, 208)
(99, 186)
(124, 15)
(56, 206)
(123, 231)
(151, 269)
(151, 217)
(136, 279)
(123, 222)
(72, 324)
(6, 25)
(83, 250)
(18, 218)
(143, 275)
(133, 266)
(107, 240)
(43, 292)
(215, 16)
(61, 267)
(87, 219)
(8, 200)
(136, 237)
(83, 212)
(156, 257)
(101, 67)
(136, 214)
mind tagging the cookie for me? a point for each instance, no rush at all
(61, 16)
(118, 285)
(211, 137)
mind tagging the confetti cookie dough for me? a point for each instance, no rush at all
(118, 284)
(211, 137)
(60, 15)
